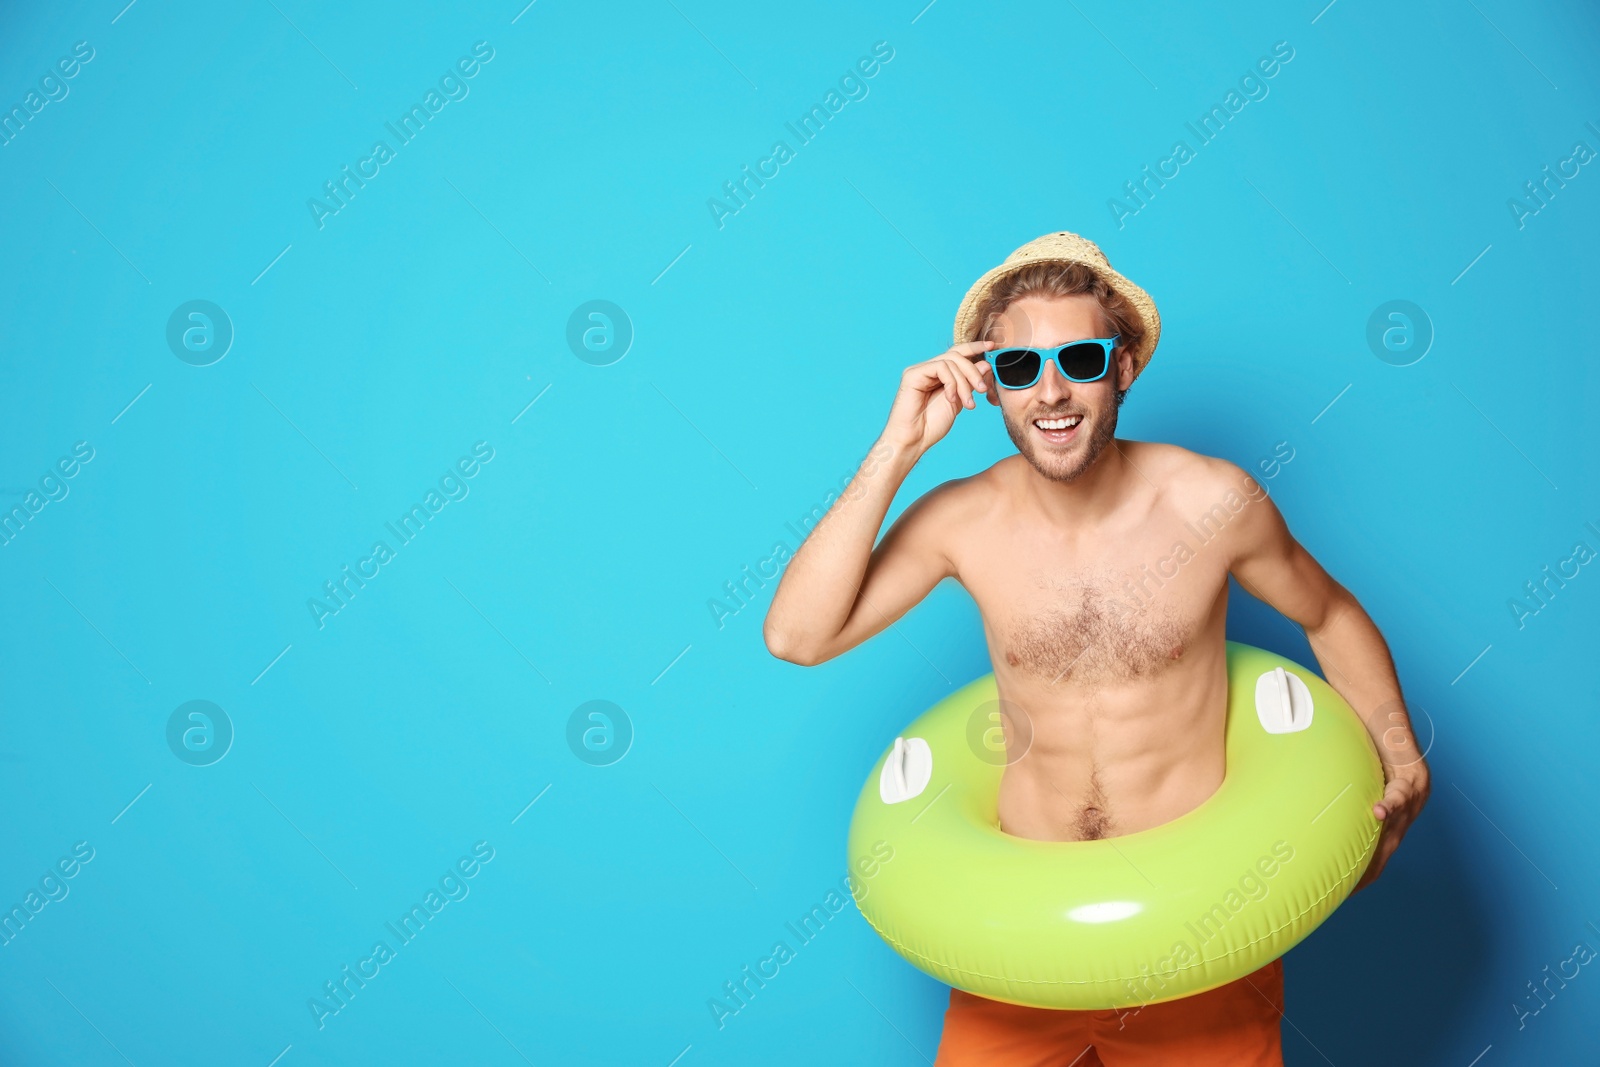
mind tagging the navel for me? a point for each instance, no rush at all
(1093, 822)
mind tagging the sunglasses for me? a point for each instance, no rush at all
(1078, 361)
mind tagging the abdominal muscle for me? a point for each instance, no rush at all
(1108, 758)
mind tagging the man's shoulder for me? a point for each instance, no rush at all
(1183, 466)
(1187, 476)
(972, 495)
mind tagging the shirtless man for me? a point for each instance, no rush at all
(1104, 633)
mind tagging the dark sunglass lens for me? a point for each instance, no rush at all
(1083, 362)
(1016, 367)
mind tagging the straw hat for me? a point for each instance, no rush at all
(1070, 248)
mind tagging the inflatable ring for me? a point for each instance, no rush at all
(1151, 916)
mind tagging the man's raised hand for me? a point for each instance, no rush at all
(932, 393)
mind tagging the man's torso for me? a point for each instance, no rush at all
(1109, 637)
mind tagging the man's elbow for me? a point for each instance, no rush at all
(785, 647)
(1333, 607)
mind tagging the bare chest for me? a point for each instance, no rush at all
(1126, 615)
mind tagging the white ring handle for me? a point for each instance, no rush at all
(907, 770)
(1284, 704)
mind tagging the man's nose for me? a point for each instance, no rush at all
(1053, 385)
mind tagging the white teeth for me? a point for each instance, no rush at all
(1058, 424)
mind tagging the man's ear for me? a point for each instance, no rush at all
(993, 392)
(1125, 373)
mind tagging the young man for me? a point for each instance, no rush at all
(1103, 612)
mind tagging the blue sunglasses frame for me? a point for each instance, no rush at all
(1052, 355)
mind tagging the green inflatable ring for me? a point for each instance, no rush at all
(1151, 916)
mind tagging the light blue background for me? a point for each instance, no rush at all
(430, 311)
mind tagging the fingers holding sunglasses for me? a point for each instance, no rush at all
(963, 379)
(947, 380)
(917, 419)
(972, 349)
(969, 362)
(950, 376)
(973, 354)
(977, 367)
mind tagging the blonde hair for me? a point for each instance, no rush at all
(1054, 278)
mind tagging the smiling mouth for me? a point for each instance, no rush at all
(1058, 431)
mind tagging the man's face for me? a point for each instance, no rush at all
(1090, 408)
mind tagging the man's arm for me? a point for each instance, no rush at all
(1273, 567)
(838, 590)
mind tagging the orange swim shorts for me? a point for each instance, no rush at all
(1235, 1025)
